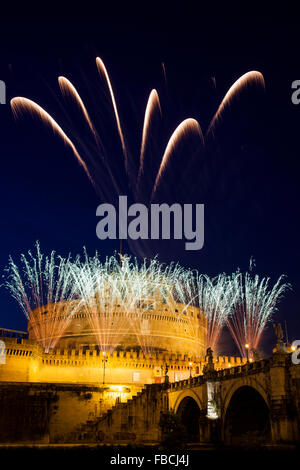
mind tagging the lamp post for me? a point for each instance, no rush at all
(104, 360)
(247, 351)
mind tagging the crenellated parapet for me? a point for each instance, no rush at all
(26, 360)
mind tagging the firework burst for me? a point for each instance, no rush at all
(42, 281)
(148, 174)
(254, 301)
(117, 295)
(215, 299)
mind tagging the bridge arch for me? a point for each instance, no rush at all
(241, 383)
(187, 393)
(246, 417)
(188, 411)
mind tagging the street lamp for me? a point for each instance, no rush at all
(104, 360)
(190, 364)
(247, 351)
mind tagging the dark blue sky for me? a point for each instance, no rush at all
(252, 202)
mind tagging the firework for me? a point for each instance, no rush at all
(115, 296)
(214, 299)
(186, 128)
(254, 301)
(109, 161)
(245, 81)
(42, 281)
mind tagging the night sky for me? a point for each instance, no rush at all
(252, 202)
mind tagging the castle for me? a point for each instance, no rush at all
(48, 394)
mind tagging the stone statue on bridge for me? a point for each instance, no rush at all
(209, 366)
(278, 333)
(209, 354)
(280, 346)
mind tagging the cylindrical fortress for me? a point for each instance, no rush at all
(148, 326)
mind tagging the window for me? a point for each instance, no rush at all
(136, 376)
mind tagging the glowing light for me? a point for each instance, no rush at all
(214, 297)
(44, 280)
(213, 405)
(254, 302)
(102, 71)
(186, 127)
(252, 77)
(20, 104)
(153, 105)
(68, 88)
(112, 169)
(116, 295)
(113, 295)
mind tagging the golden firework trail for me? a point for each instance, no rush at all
(249, 78)
(187, 127)
(20, 104)
(153, 105)
(103, 72)
(67, 87)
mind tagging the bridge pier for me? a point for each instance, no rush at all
(209, 429)
(283, 425)
(283, 413)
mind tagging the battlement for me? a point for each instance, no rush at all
(83, 356)
(242, 367)
(28, 359)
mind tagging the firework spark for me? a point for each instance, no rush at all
(116, 296)
(42, 281)
(215, 299)
(67, 88)
(152, 109)
(106, 159)
(250, 78)
(20, 104)
(103, 72)
(254, 302)
(186, 128)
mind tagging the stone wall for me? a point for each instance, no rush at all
(136, 421)
(26, 361)
(53, 413)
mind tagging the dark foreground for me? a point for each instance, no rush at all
(108, 457)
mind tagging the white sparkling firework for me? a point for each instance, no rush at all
(116, 295)
(215, 300)
(43, 280)
(254, 301)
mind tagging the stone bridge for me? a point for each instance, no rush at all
(257, 402)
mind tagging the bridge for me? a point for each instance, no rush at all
(257, 402)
